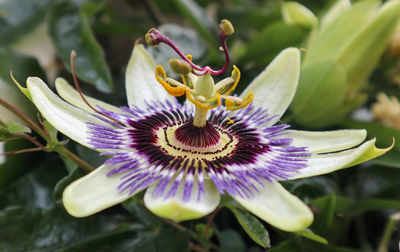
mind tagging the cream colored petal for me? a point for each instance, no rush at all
(68, 93)
(66, 118)
(175, 209)
(275, 87)
(326, 163)
(327, 141)
(276, 206)
(140, 80)
(2, 150)
(94, 193)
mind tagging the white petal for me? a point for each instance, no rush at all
(68, 93)
(275, 87)
(140, 80)
(275, 205)
(94, 193)
(326, 163)
(175, 209)
(327, 141)
(2, 150)
(66, 118)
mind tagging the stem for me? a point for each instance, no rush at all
(25, 118)
(196, 247)
(210, 220)
(390, 227)
(35, 142)
(21, 151)
(83, 164)
(200, 117)
(177, 226)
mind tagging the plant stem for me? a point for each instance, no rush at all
(210, 220)
(67, 153)
(390, 227)
(25, 118)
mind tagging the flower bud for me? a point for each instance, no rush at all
(340, 57)
(297, 14)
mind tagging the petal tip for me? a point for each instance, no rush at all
(71, 205)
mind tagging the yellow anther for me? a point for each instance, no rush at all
(188, 79)
(180, 66)
(206, 104)
(236, 76)
(172, 89)
(230, 121)
(231, 104)
(227, 27)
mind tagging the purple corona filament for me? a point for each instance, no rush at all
(159, 145)
(157, 37)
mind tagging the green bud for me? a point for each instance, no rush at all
(205, 86)
(297, 14)
(339, 59)
(336, 10)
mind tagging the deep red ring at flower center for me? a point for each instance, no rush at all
(201, 137)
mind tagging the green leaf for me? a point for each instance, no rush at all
(311, 235)
(64, 182)
(139, 212)
(54, 229)
(324, 221)
(21, 65)
(317, 247)
(230, 240)
(70, 30)
(91, 156)
(251, 225)
(349, 207)
(16, 165)
(19, 17)
(286, 246)
(15, 128)
(278, 36)
(33, 188)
